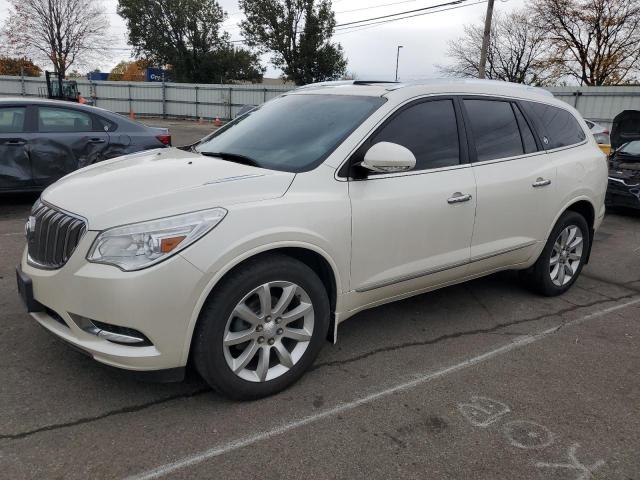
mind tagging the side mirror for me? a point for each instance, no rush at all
(387, 157)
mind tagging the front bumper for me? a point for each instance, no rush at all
(619, 194)
(158, 301)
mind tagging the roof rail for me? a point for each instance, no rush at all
(474, 81)
(335, 83)
(391, 85)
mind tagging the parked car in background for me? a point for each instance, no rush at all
(601, 134)
(244, 253)
(44, 140)
(624, 164)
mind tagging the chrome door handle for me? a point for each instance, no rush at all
(459, 197)
(541, 182)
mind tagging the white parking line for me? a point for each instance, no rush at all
(11, 234)
(249, 440)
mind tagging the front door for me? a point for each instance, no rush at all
(15, 165)
(67, 139)
(413, 230)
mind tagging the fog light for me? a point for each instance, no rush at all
(112, 333)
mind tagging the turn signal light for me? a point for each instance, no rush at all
(168, 244)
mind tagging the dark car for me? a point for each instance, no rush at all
(624, 163)
(43, 140)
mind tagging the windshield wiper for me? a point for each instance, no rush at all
(232, 157)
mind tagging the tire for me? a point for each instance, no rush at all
(547, 280)
(237, 311)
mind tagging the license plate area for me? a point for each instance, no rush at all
(25, 290)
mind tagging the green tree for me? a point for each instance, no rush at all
(186, 37)
(298, 35)
(227, 65)
(19, 66)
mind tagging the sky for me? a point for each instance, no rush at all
(371, 51)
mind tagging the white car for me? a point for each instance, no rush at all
(600, 133)
(245, 253)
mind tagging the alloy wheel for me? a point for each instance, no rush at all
(566, 255)
(268, 331)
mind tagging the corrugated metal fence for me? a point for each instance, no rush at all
(182, 100)
(600, 104)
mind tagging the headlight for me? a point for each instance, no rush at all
(140, 245)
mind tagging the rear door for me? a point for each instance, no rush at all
(15, 165)
(516, 183)
(66, 139)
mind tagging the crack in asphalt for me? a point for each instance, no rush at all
(120, 411)
(333, 363)
(450, 336)
(626, 285)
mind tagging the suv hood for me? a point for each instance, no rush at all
(626, 127)
(160, 183)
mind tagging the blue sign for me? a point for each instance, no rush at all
(155, 75)
(97, 76)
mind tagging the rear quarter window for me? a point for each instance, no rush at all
(558, 126)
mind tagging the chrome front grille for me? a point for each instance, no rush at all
(52, 236)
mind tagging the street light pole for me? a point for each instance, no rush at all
(397, 60)
(485, 40)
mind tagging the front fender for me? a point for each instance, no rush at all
(235, 257)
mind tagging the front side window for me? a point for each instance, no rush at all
(293, 133)
(562, 129)
(494, 129)
(429, 129)
(12, 119)
(63, 120)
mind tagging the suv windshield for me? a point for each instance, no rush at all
(293, 133)
(631, 148)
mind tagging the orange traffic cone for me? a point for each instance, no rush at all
(132, 115)
(217, 122)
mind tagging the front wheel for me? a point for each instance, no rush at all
(262, 328)
(563, 257)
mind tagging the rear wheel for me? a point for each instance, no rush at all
(563, 257)
(262, 328)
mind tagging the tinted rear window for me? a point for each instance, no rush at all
(528, 140)
(560, 127)
(12, 119)
(429, 130)
(494, 128)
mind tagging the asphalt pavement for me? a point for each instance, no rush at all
(484, 380)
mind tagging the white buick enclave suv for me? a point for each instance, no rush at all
(244, 252)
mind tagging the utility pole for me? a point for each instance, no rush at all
(485, 40)
(398, 60)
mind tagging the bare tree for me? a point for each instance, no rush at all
(596, 42)
(515, 52)
(61, 32)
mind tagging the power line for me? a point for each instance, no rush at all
(377, 6)
(355, 28)
(454, 2)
